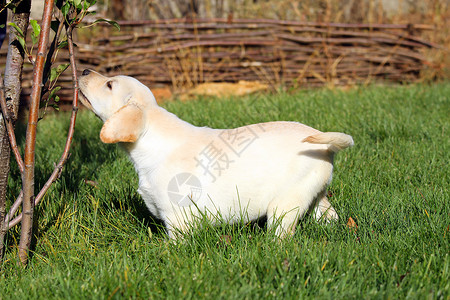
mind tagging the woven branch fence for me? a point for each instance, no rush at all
(183, 53)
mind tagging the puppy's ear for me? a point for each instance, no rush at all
(123, 126)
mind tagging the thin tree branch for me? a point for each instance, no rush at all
(29, 160)
(12, 211)
(65, 155)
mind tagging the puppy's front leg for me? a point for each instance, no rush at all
(177, 226)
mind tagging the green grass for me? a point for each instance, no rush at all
(98, 242)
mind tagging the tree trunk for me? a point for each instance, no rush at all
(12, 88)
(26, 231)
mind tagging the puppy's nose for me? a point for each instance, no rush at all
(86, 72)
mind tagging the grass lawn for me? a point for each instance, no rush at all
(95, 239)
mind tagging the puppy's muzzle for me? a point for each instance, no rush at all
(82, 82)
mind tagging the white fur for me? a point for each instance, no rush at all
(276, 169)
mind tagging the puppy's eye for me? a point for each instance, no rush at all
(109, 85)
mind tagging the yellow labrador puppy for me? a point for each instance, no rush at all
(276, 169)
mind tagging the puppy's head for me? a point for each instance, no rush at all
(120, 101)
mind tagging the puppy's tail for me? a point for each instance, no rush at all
(336, 140)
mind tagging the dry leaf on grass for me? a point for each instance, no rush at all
(224, 240)
(351, 224)
(90, 182)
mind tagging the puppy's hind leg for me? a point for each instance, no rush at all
(284, 212)
(323, 209)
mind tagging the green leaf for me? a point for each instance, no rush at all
(19, 31)
(61, 68)
(78, 5)
(36, 31)
(62, 44)
(65, 9)
(89, 3)
(110, 22)
(36, 27)
(22, 42)
(53, 92)
(34, 39)
(55, 72)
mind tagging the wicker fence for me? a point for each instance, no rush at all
(184, 53)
